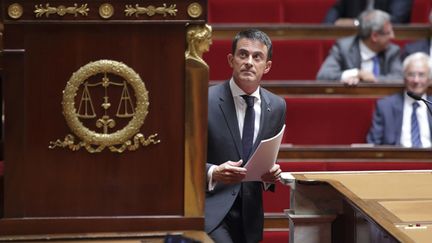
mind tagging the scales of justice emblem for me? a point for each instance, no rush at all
(106, 81)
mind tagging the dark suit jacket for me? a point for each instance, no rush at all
(399, 10)
(387, 120)
(224, 143)
(416, 46)
(345, 54)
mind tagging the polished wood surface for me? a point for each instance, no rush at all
(400, 202)
(62, 191)
(138, 237)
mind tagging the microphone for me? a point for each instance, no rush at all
(418, 97)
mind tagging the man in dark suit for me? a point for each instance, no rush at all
(400, 119)
(233, 209)
(367, 57)
(423, 45)
(345, 12)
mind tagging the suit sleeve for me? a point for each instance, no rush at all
(282, 120)
(376, 132)
(394, 74)
(331, 68)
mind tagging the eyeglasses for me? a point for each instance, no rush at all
(386, 32)
(416, 74)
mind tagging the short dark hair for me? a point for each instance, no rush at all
(254, 34)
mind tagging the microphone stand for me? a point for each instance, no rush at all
(417, 97)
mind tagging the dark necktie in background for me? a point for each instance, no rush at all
(415, 131)
(376, 66)
(248, 127)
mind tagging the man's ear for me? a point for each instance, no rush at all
(230, 58)
(268, 66)
(374, 36)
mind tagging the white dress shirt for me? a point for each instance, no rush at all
(366, 55)
(422, 117)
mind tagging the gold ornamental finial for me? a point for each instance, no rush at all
(199, 41)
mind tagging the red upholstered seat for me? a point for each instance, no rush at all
(296, 59)
(327, 120)
(245, 11)
(288, 11)
(420, 11)
(217, 60)
(306, 11)
(350, 166)
(402, 43)
(275, 236)
(292, 59)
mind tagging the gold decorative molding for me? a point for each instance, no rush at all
(61, 10)
(199, 41)
(106, 10)
(117, 141)
(15, 11)
(194, 10)
(151, 10)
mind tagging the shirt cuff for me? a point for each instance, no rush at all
(350, 73)
(210, 183)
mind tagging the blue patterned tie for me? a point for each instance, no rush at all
(376, 66)
(248, 127)
(415, 131)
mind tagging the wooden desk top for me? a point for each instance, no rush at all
(400, 201)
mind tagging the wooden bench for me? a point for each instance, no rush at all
(323, 120)
(293, 59)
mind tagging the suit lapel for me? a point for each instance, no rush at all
(355, 54)
(265, 116)
(229, 113)
(429, 116)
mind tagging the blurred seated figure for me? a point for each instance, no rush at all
(367, 57)
(345, 12)
(399, 119)
(423, 45)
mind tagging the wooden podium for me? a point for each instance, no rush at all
(368, 206)
(105, 132)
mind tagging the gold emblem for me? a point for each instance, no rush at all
(106, 10)
(61, 10)
(105, 77)
(15, 11)
(151, 10)
(194, 10)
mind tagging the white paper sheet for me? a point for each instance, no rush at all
(264, 157)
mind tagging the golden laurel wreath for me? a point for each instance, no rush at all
(101, 140)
